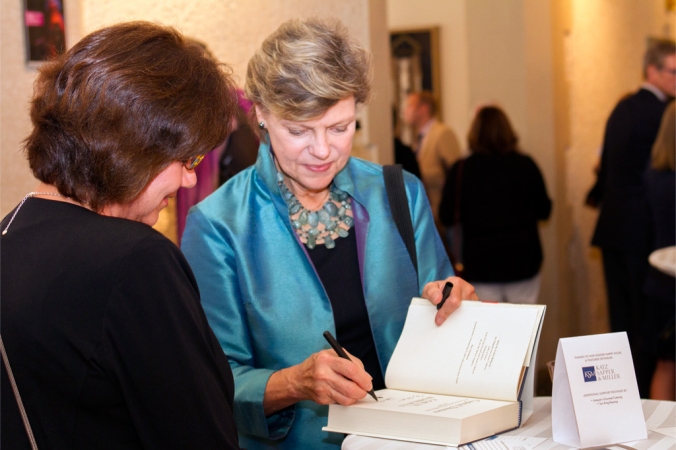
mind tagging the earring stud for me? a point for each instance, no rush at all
(261, 125)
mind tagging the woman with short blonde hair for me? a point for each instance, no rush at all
(306, 67)
(305, 242)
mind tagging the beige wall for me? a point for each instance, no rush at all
(379, 111)
(232, 29)
(450, 17)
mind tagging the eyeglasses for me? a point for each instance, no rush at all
(191, 163)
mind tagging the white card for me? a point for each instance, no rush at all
(595, 398)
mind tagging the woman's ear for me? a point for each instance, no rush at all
(259, 114)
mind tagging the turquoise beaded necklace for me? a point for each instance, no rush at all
(324, 226)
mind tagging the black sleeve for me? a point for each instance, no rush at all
(542, 204)
(161, 351)
(447, 204)
(616, 143)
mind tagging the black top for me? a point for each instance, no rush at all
(661, 195)
(624, 220)
(338, 269)
(106, 337)
(501, 199)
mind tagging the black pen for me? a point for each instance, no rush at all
(338, 349)
(448, 287)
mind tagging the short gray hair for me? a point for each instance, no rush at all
(305, 67)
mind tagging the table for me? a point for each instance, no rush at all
(658, 414)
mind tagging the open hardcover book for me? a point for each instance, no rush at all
(466, 380)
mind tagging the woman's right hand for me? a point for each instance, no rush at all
(324, 378)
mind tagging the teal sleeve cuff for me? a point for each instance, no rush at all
(249, 413)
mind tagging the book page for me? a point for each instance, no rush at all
(428, 404)
(478, 352)
(540, 313)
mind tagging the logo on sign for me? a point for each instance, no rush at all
(589, 373)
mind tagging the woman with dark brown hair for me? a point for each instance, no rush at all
(501, 195)
(101, 315)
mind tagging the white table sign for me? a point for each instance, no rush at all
(595, 398)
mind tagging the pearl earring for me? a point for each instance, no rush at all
(261, 125)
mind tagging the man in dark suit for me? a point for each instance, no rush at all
(624, 231)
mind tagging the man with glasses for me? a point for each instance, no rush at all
(624, 228)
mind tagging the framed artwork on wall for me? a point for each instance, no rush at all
(415, 67)
(45, 29)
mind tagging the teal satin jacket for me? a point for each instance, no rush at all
(264, 299)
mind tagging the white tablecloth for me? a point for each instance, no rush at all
(658, 414)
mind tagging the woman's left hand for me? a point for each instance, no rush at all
(462, 290)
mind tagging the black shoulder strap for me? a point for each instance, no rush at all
(396, 194)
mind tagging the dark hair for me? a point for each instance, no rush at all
(656, 52)
(491, 132)
(120, 106)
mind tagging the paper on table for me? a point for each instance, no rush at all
(504, 443)
(475, 353)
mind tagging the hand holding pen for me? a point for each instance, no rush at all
(341, 352)
(447, 295)
(324, 378)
